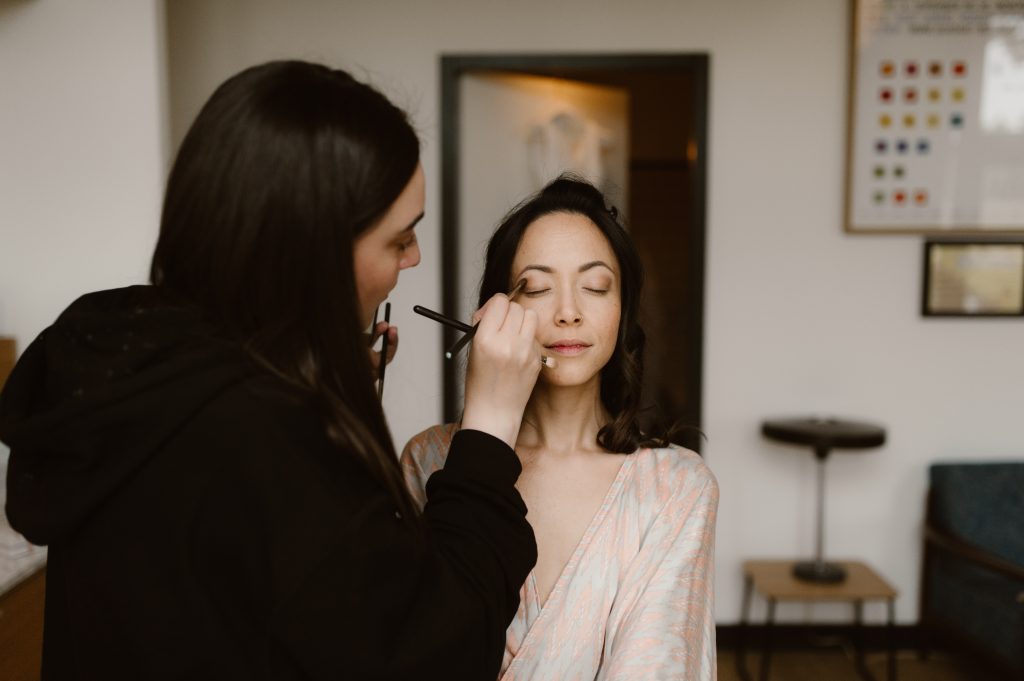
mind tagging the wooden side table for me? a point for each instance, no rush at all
(774, 580)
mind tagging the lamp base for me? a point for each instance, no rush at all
(820, 572)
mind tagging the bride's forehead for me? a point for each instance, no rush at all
(563, 237)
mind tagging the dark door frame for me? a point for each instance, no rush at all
(573, 66)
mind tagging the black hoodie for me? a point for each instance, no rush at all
(201, 525)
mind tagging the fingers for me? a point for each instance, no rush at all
(492, 315)
(392, 343)
(514, 316)
(379, 330)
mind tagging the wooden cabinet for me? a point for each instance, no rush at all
(21, 606)
(21, 629)
(6, 358)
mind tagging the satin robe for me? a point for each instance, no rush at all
(635, 600)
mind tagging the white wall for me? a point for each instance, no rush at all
(800, 317)
(82, 151)
(83, 140)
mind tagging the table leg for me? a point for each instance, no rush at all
(766, 655)
(741, 638)
(892, 639)
(858, 637)
(858, 641)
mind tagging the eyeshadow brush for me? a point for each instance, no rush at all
(462, 342)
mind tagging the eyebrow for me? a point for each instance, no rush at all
(583, 268)
(414, 222)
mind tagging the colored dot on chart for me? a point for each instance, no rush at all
(885, 94)
(902, 146)
(957, 95)
(935, 68)
(879, 171)
(881, 146)
(899, 197)
(934, 94)
(909, 121)
(959, 69)
(910, 68)
(956, 120)
(885, 120)
(887, 69)
(934, 120)
(910, 95)
(920, 197)
(879, 197)
(898, 172)
(923, 146)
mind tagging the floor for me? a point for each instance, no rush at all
(837, 665)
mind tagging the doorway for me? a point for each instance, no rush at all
(635, 125)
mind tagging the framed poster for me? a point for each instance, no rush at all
(936, 117)
(973, 279)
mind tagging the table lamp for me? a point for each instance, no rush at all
(822, 435)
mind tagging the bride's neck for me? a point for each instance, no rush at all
(563, 420)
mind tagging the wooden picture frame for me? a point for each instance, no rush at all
(973, 279)
(935, 120)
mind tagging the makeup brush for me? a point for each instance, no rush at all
(465, 328)
(462, 342)
(441, 319)
(384, 351)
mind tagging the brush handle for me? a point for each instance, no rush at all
(384, 351)
(461, 343)
(441, 319)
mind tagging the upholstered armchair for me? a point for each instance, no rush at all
(972, 595)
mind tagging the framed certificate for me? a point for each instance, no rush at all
(936, 117)
(973, 279)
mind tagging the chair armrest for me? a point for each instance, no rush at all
(945, 542)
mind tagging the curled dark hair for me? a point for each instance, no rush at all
(622, 376)
(284, 167)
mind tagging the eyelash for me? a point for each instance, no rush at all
(534, 294)
(407, 244)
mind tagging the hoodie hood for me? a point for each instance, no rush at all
(96, 395)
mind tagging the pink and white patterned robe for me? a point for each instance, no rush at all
(635, 600)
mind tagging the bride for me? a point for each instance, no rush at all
(624, 520)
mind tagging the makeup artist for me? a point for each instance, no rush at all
(206, 458)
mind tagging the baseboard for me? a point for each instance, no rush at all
(808, 636)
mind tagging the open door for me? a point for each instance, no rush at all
(633, 125)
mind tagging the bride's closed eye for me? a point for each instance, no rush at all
(407, 243)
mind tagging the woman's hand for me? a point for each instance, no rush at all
(378, 331)
(504, 361)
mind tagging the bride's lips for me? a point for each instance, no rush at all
(568, 347)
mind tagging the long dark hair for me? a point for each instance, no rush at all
(622, 376)
(286, 164)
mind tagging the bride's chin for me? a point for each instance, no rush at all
(564, 378)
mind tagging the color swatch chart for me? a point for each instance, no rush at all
(937, 127)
